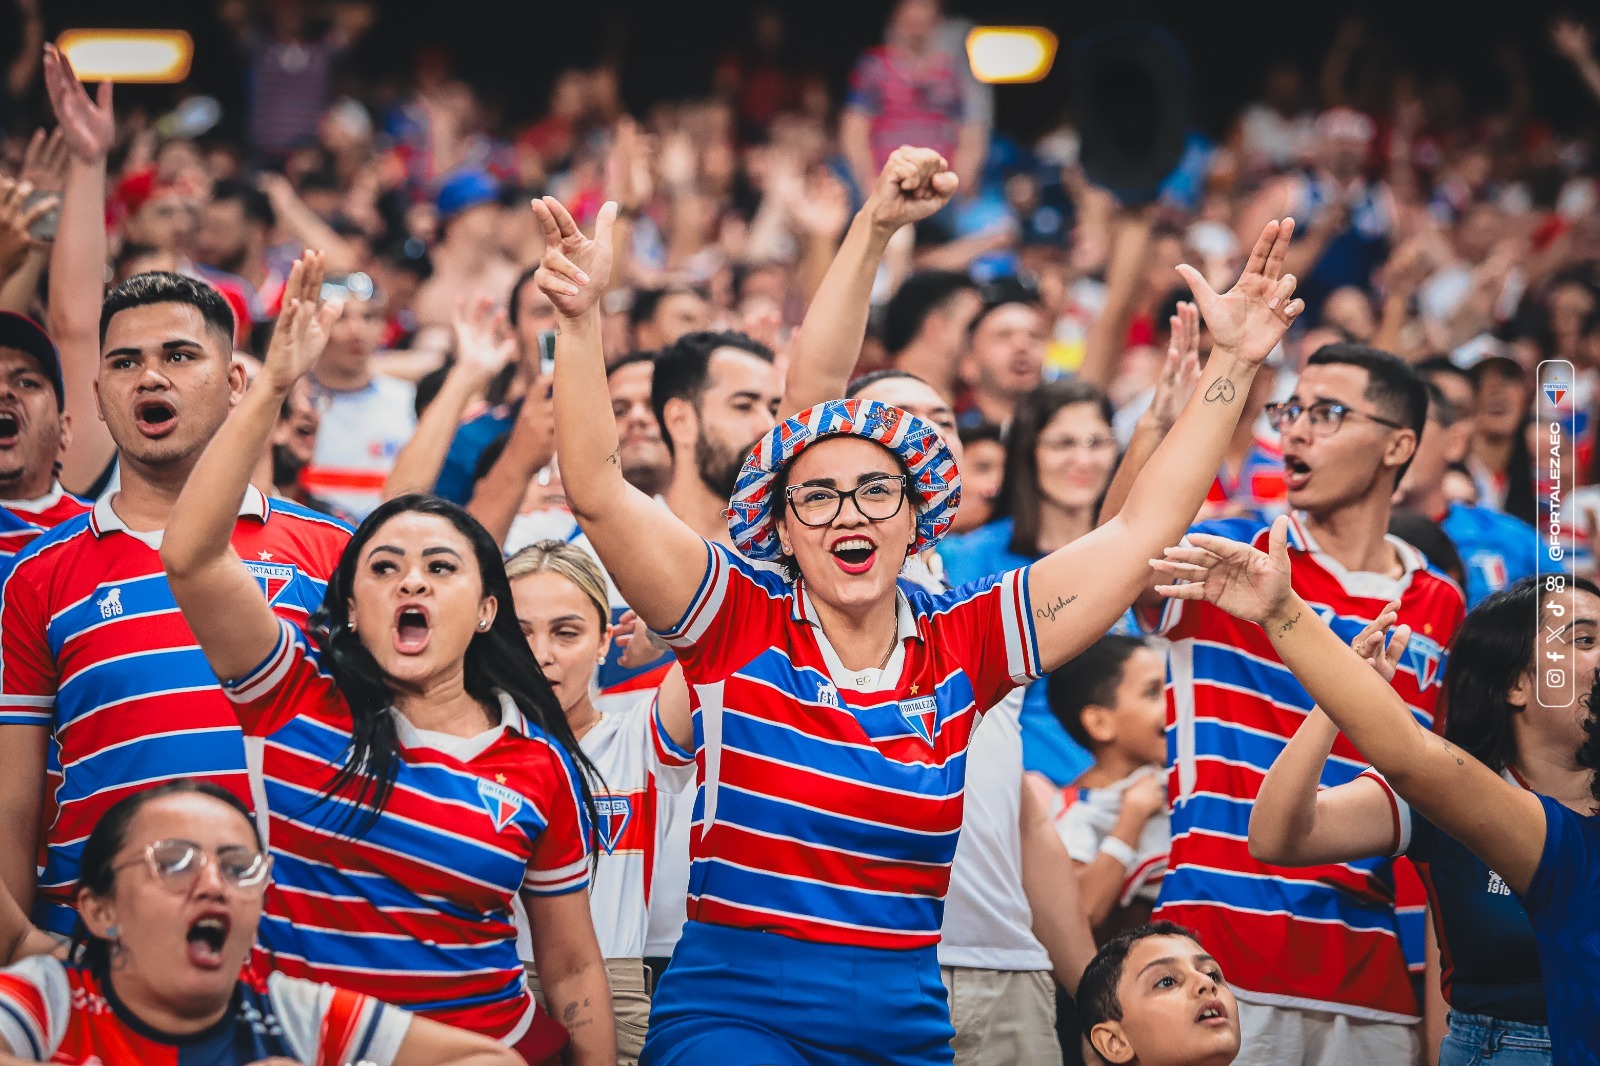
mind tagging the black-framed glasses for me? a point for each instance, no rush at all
(1325, 416)
(177, 864)
(878, 499)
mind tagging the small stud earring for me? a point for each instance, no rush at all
(113, 932)
(351, 625)
(483, 625)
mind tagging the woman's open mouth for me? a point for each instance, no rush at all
(206, 938)
(411, 630)
(854, 554)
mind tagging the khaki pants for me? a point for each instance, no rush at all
(1272, 1036)
(630, 1005)
(1002, 1017)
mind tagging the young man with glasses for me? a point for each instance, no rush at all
(1348, 433)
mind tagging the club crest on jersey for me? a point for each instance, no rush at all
(501, 802)
(272, 577)
(613, 814)
(922, 715)
(110, 604)
(1424, 655)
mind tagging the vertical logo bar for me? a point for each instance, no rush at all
(1556, 466)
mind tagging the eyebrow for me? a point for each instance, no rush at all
(861, 479)
(166, 346)
(441, 550)
(1168, 960)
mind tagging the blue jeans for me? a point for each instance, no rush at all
(738, 997)
(1478, 1040)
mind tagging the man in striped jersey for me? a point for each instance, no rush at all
(34, 432)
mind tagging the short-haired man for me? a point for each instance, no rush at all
(658, 317)
(1348, 432)
(235, 231)
(35, 432)
(100, 679)
(1004, 361)
(925, 326)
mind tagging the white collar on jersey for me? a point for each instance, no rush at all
(861, 680)
(464, 748)
(43, 503)
(1360, 583)
(106, 520)
(803, 611)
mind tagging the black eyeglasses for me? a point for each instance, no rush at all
(1325, 416)
(177, 863)
(878, 499)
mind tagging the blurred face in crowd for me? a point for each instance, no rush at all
(1176, 1008)
(946, 326)
(1076, 452)
(417, 599)
(1502, 400)
(1440, 447)
(474, 227)
(850, 563)
(535, 316)
(982, 474)
(182, 939)
(166, 382)
(1324, 473)
(226, 236)
(33, 431)
(913, 25)
(294, 438)
(565, 631)
(1342, 154)
(1571, 304)
(677, 313)
(1006, 354)
(644, 459)
(739, 404)
(1479, 230)
(1349, 309)
(353, 338)
(1460, 392)
(166, 222)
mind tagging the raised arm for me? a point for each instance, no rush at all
(529, 448)
(220, 599)
(1503, 824)
(1293, 822)
(656, 561)
(914, 184)
(78, 265)
(1078, 591)
(1052, 891)
(431, 1043)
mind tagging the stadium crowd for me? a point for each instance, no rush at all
(1005, 619)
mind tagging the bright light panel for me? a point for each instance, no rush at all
(148, 56)
(1010, 55)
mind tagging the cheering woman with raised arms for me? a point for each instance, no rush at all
(419, 772)
(831, 712)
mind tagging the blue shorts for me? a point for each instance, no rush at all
(1478, 1040)
(736, 997)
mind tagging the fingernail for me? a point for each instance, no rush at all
(583, 279)
(1273, 303)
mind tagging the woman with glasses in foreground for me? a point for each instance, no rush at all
(832, 711)
(170, 896)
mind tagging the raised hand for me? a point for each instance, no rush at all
(1369, 642)
(89, 126)
(1146, 797)
(639, 646)
(302, 329)
(1241, 580)
(1250, 318)
(820, 206)
(17, 216)
(45, 161)
(1571, 38)
(1180, 373)
(574, 269)
(484, 342)
(915, 183)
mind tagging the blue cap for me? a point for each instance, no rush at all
(469, 188)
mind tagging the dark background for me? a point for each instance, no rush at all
(510, 49)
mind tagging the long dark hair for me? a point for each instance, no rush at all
(1019, 491)
(1492, 650)
(110, 835)
(497, 660)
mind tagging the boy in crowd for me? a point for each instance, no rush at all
(1153, 997)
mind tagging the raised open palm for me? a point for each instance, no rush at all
(301, 332)
(89, 125)
(1250, 318)
(574, 269)
(1243, 581)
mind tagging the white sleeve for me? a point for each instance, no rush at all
(35, 1006)
(326, 1024)
(1074, 823)
(1399, 809)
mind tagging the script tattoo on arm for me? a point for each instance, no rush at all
(1283, 627)
(1048, 612)
(1221, 391)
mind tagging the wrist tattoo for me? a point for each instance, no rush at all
(1221, 391)
(1283, 627)
(1048, 612)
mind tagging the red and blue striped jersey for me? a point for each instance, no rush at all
(1231, 707)
(830, 800)
(416, 909)
(94, 648)
(54, 1012)
(23, 520)
(1259, 485)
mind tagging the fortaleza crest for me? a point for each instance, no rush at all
(923, 716)
(501, 802)
(272, 577)
(613, 813)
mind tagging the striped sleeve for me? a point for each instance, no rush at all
(35, 1004)
(267, 697)
(1399, 811)
(673, 766)
(329, 1026)
(988, 626)
(28, 673)
(560, 861)
(731, 618)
